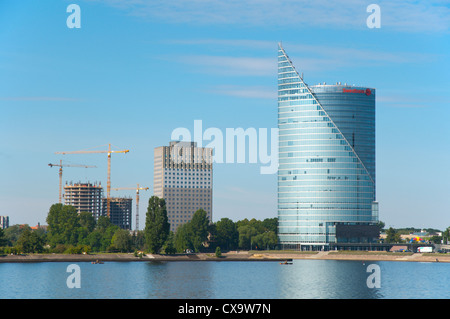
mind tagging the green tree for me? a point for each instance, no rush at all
(392, 236)
(198, 229)
(63, 223)
(122, 240)
(103, 223)
(2, 238)
(271, 224)
(157, 227)
(436, 239)
(266, 240)
(100, 239)
(226, 234)
(106, 240)
(169, 246)
(246, 232)
(138, 240)
(13, 233)
(87, 221)
(29, 242)
(94, 240)
(446, 236)
(182, 238)
(218, 252)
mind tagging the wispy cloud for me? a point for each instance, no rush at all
(411, 100)
(249, 196)
(229, 65)
(260, 92)
(38, 98)
(405, 16)
(307, 57)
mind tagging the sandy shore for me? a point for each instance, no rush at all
(367, 256)
(231, 256)
(122, 257)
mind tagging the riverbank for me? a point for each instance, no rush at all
(232, 256)
(130, 257)
(366, 256)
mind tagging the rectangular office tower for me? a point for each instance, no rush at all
(4, 222)
(326, 174)
(183, 176)
(120, 211)
(85, 197)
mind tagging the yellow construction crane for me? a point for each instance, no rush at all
(61, 165)
(137, 200)
(108, 184)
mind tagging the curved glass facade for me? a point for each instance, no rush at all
(326, 173)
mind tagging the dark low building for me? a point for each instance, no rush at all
(120, 211)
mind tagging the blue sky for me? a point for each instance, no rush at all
(136, 70)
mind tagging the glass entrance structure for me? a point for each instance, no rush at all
(326, 174)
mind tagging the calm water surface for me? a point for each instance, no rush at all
(226, 280)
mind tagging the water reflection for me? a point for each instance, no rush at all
(327, 279)
(178, 280)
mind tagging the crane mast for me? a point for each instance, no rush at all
(137, 200)
(61, 165)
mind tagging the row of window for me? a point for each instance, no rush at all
(184, 186)
(292, 119)
(292, 91)
(297, 97)
(293, 239)
(184, 172)
(289, 80)
(356, 192)
(324, 201)
(181, 214)
(187, 203)
(294, 214)
(328, 176)
(343, 192)
(312, 150)
(364, 140)
(299, 174)
(294, 209)
(311, 142)
(332, 218)
(350, 163)
(311, 139)
(360, 182)
(289, 86)
(282, 64)
(350, 174)
(314, 162)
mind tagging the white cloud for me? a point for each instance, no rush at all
(227, 65)
(406, 15)
(411, 99)
(306, 58)
(261, 92)
(38, 98)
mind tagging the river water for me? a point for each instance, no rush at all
(322, 279)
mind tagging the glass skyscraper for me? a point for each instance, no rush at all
(326, 174)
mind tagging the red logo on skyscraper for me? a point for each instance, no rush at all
(366, 91)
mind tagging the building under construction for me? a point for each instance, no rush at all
(85, 197)
(120, 211)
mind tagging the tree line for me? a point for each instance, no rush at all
(394, 236)
(75, 233)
